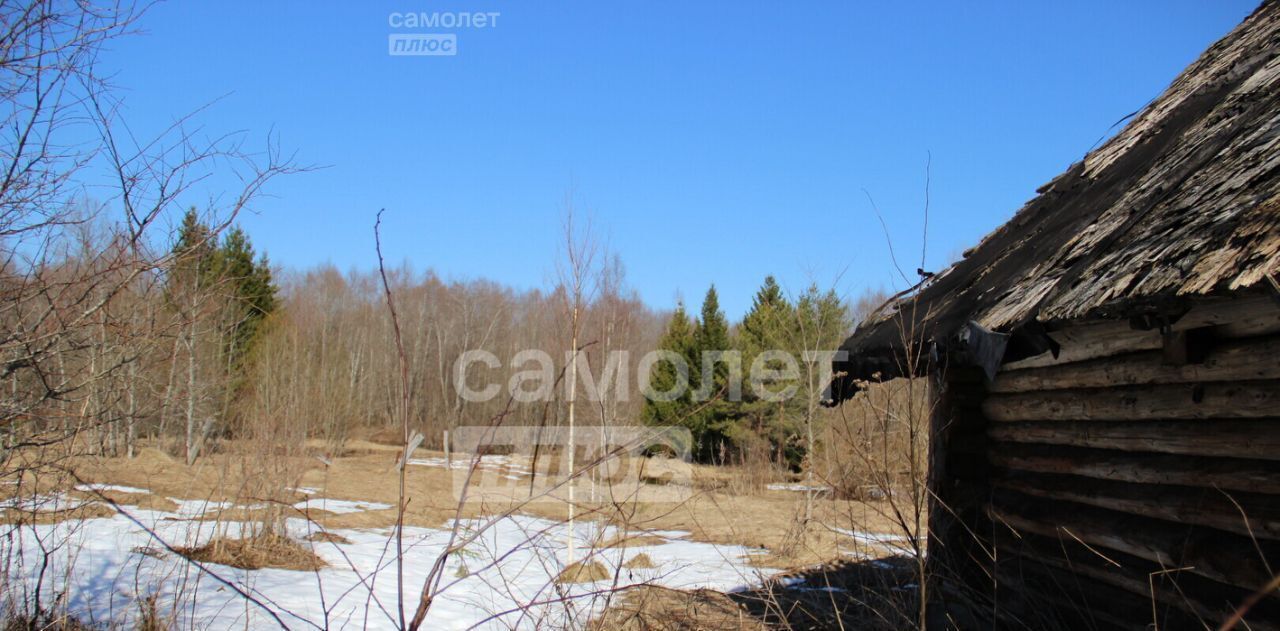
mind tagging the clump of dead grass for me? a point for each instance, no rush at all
(44, 622)
(150, 618)
(150, 551)
(584, 571)
(327, 537)
(639, 562)
(264, 551)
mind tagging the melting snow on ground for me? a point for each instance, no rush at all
(877, 543)
(339, 507)
(108, 565)
(496, 463)
(798, 487)
(104, 488)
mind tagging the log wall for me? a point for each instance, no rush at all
(1121, 484)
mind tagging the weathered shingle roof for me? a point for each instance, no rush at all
(1183, 202)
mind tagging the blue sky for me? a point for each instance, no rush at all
(711, 142)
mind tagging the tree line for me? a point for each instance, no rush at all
(214, 343)
(232, 346)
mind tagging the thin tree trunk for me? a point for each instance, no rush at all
(191, 447)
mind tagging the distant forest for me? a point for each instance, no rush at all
(218, 343)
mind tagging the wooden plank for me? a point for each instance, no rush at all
(1235, 360)
(1248, 399)
(1212, 554)
(1232, 474)
(1230, 439)
(1247, 317)
(1245, 514)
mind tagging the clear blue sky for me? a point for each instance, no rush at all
(713, 142)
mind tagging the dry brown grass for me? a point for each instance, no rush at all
(150, 617)
(44, 623)
(146, 501)
(639, 562)
(327, 537)
(252, 554)
(87, 510)
(660, 609)
(584, 571)
(632, 541)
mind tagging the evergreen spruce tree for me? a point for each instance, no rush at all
(250, 289)
(678, 339)
(195, 254)
(767, 327)
(762, 327)
(714, 420)
(712, 333)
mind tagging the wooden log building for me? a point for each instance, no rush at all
(1105, 440)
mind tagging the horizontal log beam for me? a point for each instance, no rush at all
(1240, 513)
(1212, 554)
(1091, 341)
(1184, 599)
(1258, 439)
(1043, 597)
(1232, 474)
(1235, 360)
(1250, 399)
(1229, 318)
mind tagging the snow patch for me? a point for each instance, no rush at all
(797, 487)
(339, 507)
(512, 562)
(103, 488)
